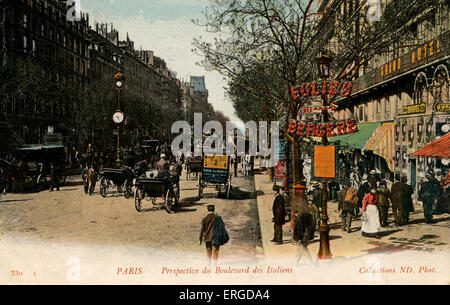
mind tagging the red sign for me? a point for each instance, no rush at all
(319, 129)
(311, 109)
(314, 89)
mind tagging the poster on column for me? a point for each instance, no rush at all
(325, 162)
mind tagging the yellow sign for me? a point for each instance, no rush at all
(216, 162)
(443, 107)
(325, 162)
(414, 109)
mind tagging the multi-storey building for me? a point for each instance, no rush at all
(403, 96)
(47, 60)
(67, 67)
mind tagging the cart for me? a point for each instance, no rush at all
(122, 179)
(215, 174)
(194, 165)
(37, 159)
(155, 185)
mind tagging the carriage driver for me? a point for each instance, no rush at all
(162, 165)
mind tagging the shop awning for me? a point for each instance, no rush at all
(356, 140)
(437, 149)
(382, 143)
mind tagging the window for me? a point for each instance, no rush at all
(25, 21)
(33, 46)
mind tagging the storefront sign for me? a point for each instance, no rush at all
(320, 129)
(427, 50)
(312, 109)
(414, 109)
(443, 107)
(325, 88)
(325, 162)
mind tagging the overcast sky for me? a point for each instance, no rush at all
(165, 27)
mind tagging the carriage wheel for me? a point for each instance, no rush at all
(138, 197)
(128, 189)
(42, 180)
(103, 187)
(170, 200)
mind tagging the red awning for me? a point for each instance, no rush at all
(437, 149)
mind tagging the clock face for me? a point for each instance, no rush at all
(118, 117)
(119, 84)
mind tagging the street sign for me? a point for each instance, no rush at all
(325, 162)
(216, 162)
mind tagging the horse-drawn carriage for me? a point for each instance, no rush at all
(215, 174)
(121, 179)
(194, 165)
(158, 185)
(35, 162)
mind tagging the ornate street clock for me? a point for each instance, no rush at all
(118, 117)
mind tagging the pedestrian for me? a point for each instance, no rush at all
(85, 178)
(296, 201)
(430, 191)
(371, 218)
(163, 165)
(209, 231)
(279, 215)
(363, 190)
(384, 196)
(54, 179)
(348, 209)
(317, 195)
(396, 199)
(372, 179)
(304, 229)
(407, 203)
(92, 177)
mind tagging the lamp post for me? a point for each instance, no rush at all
(118, 116)
(324, 65)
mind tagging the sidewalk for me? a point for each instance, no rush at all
(416, 236)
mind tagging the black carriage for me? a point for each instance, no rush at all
(121, 179)
(37, 159)
(155, 185)
(215, 174)
(195, 166)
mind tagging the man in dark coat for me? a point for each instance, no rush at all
(206, 234)
(304, 229)
(54, 177)
(363, 191)
(429, 192)
(396, 199)
(279, 216)
(384, 196)
(317, 195)
(407, 203)
(85, 177)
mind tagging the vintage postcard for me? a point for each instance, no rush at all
(224, 142)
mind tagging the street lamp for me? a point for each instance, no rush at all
(118, 116)
(324, 65)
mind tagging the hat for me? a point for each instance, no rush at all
(315, 183)
(211, 208)
(276, 188)
(163, 155)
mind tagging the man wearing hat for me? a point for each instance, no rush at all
(384, 196)
(206, 234)
(396, 199)
(162, 165)
(279, 215)
(430, 191)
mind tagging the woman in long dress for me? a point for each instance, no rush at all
(371, 218)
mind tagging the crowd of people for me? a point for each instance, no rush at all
(369, 199)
